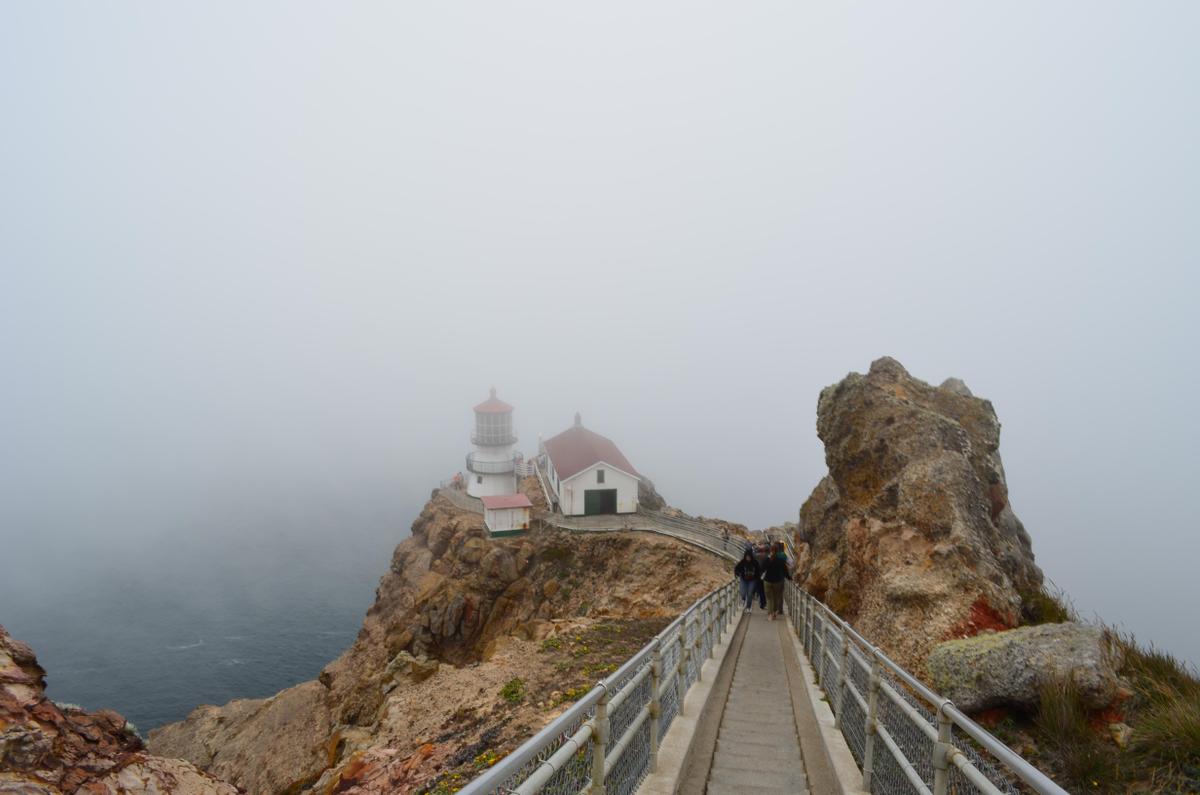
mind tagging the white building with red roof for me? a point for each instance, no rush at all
(587, 474)
(490, 467)
(506, 514)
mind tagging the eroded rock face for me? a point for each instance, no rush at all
(1009, 669)
(911, 534)
(440, 635)
(45, 748)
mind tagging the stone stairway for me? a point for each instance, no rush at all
(757, 747)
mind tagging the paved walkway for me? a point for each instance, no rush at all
(757, 747)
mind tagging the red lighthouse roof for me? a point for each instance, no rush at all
(493, 405)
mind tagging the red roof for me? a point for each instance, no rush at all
(507, 501)
(493, 405)
(577, 448)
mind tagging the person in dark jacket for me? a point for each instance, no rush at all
(746, 572)
(774, 573)
(760, 557)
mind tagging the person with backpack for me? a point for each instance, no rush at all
(774, 573)
(761, 556)
(746, 572)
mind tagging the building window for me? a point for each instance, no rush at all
(479, 478)
(599, 475)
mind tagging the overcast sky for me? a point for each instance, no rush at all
(262, 260)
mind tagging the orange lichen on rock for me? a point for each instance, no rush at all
(982, 617)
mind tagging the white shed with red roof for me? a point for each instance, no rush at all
(506, 514)
(587, 473)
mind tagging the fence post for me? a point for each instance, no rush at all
(697, 644)
(714, 616)
(841, 680)
(941, 752)
(872, 714)
(655, 702)
(808, 619)
(819, 632)
(599, 744)
(681, 666)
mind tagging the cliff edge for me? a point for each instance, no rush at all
(472, 645)
(48, 748)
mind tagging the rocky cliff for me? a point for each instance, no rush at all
(458, 618)
(48, 748)
(911, 534)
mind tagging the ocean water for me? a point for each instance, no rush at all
(154, 629)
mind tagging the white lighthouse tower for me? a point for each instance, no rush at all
(490, 470)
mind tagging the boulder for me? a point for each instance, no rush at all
(414, 669)
(648, 496)
(1009, 669)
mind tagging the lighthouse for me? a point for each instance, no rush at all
(490, 470)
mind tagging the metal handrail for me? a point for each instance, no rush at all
(812, 620)
(485, 467)
(587, 719)
(499, 439)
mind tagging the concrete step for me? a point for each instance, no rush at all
(758, 747)
(715, 788)
(755, 780)
(779, 763)
(741, 707)
(745, 709)
(756, 724)
(765, 732)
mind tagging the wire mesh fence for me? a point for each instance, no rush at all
(904, 737)
(611, 735)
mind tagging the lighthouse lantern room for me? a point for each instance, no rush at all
(490, 468)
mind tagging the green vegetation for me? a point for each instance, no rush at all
(1083, 756)
(486, 759)
(551, 644)
(1168, 713)
(1078, 749)
(1046, 606)
(445, 785)
(513, 691)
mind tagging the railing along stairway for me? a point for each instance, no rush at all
(904, 736)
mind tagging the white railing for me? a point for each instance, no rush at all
(607, 743)
(900, 732)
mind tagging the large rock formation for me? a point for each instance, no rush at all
(46, 748)
(384, 716)
(911, 535)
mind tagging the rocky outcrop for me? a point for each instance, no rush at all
(46, 748)
(1009, 669)
(648, 496)
(911, 534)
(457, 615)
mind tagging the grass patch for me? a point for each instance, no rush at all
(1086, 760)
(1073, 745)
(1046, 606)
(513, 690)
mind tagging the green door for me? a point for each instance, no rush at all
(599, 501)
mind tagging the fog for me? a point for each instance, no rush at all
(259, 262)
